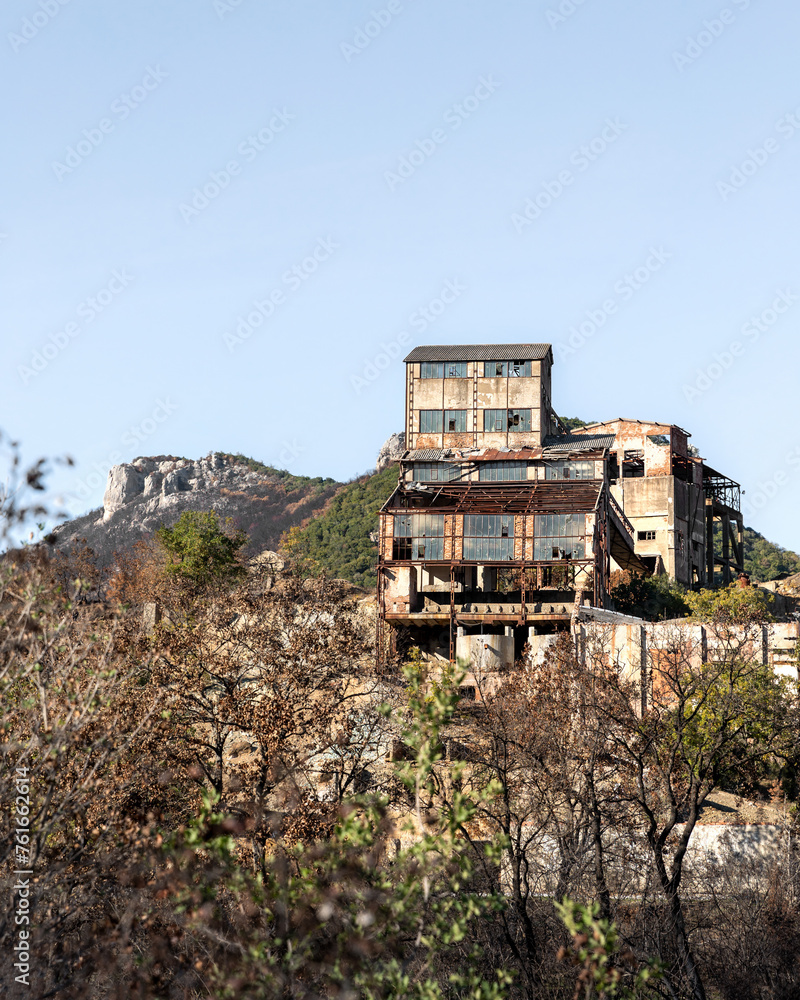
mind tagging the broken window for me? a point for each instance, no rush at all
(418, 536)
(499, 472)
(646, 536)
(519, 420)
(430, 421)
(633, 464)
(435, 472)
(443, 369)
(563, 469)
(455, 421)
(507, 369)
(559, 536)
(488, 537)
(659, 439)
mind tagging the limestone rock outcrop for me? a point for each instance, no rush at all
(148, 492)
(156, 478)
(391, 451)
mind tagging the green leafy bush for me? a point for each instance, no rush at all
(733, 605)
(200, 549)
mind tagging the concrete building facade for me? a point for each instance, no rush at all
(503, 522)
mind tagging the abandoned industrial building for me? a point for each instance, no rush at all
(504, 523)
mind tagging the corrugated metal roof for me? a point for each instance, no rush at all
(578, 442)
(480, 352)
(424, 455)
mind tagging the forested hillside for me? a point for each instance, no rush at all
(338, 542)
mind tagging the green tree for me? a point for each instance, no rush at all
(733, 605)
(200, 549)
(650, 597)
(571, 423)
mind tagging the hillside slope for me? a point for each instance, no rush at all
(148, 492)
(326, 525)
(338, 541)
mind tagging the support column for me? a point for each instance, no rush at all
(709, 542)
(726, 550)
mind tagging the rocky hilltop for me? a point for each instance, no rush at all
(150, 491)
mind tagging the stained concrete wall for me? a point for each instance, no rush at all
(636, 648)
(474, 394)
(486, 653)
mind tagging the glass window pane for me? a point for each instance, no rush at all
(455, 420)
(455, 369)
(430, 421)
(494, 420)
(519, 420)
(431, 369)
(426, 534)
(491, 369)
(488, 537)
(435, 472)
(498, 472)
(559, 536)
(563, 469)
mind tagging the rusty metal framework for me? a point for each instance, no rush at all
(612, 530)
(723, 504)
(525, 497)
(724, 491)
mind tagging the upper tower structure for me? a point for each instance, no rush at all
(479, 396)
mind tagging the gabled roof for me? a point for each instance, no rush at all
(481, 352)
(628, 420)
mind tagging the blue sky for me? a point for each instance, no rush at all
(226, 223)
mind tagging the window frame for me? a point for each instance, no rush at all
(542, 535)
(510, 466)
(443, 369)
(508, 369)
(410, 544)
(488, 537)
(459, 417)
(426, 414)
(512, 429)
(503, 420)
(453, 472)
(563, 464)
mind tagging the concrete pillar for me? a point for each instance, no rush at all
(487, 578)
(151, 616)
(486, 652)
